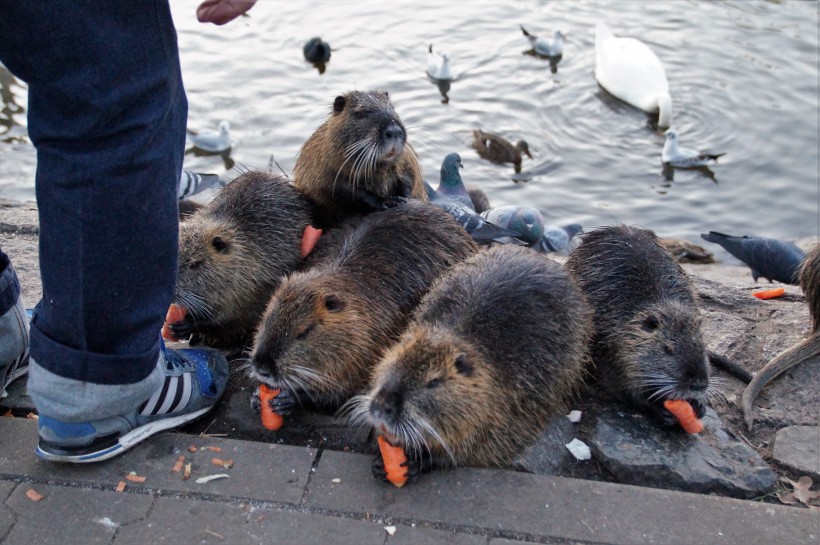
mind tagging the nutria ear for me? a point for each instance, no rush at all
(220, 245)
(650, 323)
(463, 365)
(333, 303)
(339, 104)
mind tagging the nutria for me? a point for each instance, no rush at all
(326, 327)
(495, 350)
(479, 199)
(809, 274)
(232, 254)
(359, 159)
(647, 343)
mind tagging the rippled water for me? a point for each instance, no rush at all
(743, 77)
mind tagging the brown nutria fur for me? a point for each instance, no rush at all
(359, 159)
(326, 327)
(479, 199)
(647, 343)
(495, 350)
(809, 275)
(232, 254)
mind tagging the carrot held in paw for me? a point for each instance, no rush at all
(393, 458)
(685, 414)
(270, 420)
(770, 294)
(310, 236)
(175, 314)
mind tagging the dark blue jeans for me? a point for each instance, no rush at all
(107, 113)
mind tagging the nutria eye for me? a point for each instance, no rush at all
(463, 365)
(195, 265)
(667, 349)
(333, 303)
(219, 244)
(305, 332)
(650, 323)
(339, 104)
(433, 383)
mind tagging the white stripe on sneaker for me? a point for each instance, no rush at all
(170, 393)
(153, 401)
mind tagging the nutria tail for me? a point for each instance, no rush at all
(805, 349)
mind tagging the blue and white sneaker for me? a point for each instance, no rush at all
(14, 327)
(194, 381)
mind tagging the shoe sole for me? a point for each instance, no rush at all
(130, 439)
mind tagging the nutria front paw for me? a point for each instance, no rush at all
(184, 328)
(393, 201)
(699, 407)
(283, 403)
(414, 469)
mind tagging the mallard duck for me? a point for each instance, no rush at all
(497, 149)
(630, 71)
(681, 157)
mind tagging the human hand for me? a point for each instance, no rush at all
(220, 12)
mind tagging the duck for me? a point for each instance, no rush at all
(629, 70)
(210, 140)
(438, 65)
(545, 47)
(681, 157)
(497, 149)
(316, 50)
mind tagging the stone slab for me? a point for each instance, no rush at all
(554, 507)
(7, 518)
(409, 535)
(798, 447)
(178, 521)
(262, 471)
(72, 515)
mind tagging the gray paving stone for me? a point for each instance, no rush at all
(177, 521)
(6, 517)
(283, 469)
(408, 535)
(798, 447)
(556, 507)
(72, 515)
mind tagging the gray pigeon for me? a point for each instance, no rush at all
(528, 222)
(767, 257)
(191, 183)
(450, 184)
(482, 231)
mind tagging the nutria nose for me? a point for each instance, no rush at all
(387, 405)
(393, 131)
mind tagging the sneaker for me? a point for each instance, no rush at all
(14, 328)
(194, 381)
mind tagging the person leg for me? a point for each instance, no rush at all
(107, 114)
(14, 346)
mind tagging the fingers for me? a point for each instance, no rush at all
(220, 12)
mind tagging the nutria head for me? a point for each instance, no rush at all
(316, 337)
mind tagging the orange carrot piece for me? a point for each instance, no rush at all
(33, 495)
(175, 314)
(393, 458)
(310, 236)
(135, 478)
(770, 294)
(178, 465)
(685, 414)
(270, 420)
(120, 486)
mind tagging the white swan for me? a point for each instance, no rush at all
(629, 70)
(438, 65)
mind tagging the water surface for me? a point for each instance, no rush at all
(743, 77)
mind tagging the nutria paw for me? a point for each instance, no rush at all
(283, 403)
(184, 328)
(414, 469)
(669, 420)
(393, 201)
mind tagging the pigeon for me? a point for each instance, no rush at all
(438, 65)
(450, 184)
(316, 50)
(211, 140)
(546, 47)
(530, 227)
(482, 231)
(191, 183)
(681, 157)
(767, 257)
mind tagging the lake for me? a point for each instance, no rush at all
(743, 77)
